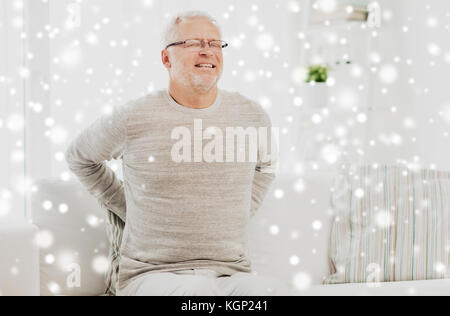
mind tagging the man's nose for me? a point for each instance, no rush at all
(205, 50)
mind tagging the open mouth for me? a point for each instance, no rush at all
(207, 66)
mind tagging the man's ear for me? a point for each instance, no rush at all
(165, 59)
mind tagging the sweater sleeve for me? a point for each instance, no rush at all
(267, 165)
(105, 139)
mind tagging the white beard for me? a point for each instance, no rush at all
(192, 80)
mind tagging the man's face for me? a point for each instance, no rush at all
(183, 63)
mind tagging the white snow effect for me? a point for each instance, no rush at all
(252, 21)
(92, 38)
(300, 186)
(274, 229)
(317, 225)
(71, 57)
(17, 156)
(299, 75)
(54, 288)
(50, 259)
(47, 205)
(316, 119)
(15, 123)
(330, 154)
(63, 208)
(44, 239)
(327, 6)
(294, 6)
(347, 99)
(294, 260)
(440, 268)
(265, 102)
(383, 219)
(58, 135)
(434, 49)
(279, 194)
(302, 281)
(432, 22)
(298, 101)
(100, 264)
(93, 221)
(66, 259)
(357, 71)
(409, 122)
(359, 193)
(447, 57)
(388, 74)
(265, 42)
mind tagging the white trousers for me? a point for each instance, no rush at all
(205, 282)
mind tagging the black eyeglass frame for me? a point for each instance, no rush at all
(224, 44)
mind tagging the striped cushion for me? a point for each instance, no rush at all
(390, 224)
(115, 228)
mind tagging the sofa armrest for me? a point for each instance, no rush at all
(19, 260)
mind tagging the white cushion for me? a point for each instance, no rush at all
(74, 238)
(294, 216)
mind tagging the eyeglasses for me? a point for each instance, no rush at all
(194, 44)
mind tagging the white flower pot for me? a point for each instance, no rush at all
(314, 96)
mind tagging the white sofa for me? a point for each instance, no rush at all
(19, 260)
(288, 238)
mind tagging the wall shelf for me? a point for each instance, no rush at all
(358, 13)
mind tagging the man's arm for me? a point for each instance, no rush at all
(267, 166)
(103, 140)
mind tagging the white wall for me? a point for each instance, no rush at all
(412, 100)
(12, 101)
(398, 125)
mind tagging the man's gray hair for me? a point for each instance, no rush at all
(170, 33)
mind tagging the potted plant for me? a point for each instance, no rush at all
(315, 88)
(317, 74)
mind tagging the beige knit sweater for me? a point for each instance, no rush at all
(178, 215)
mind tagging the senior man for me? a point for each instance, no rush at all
(185, 206)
